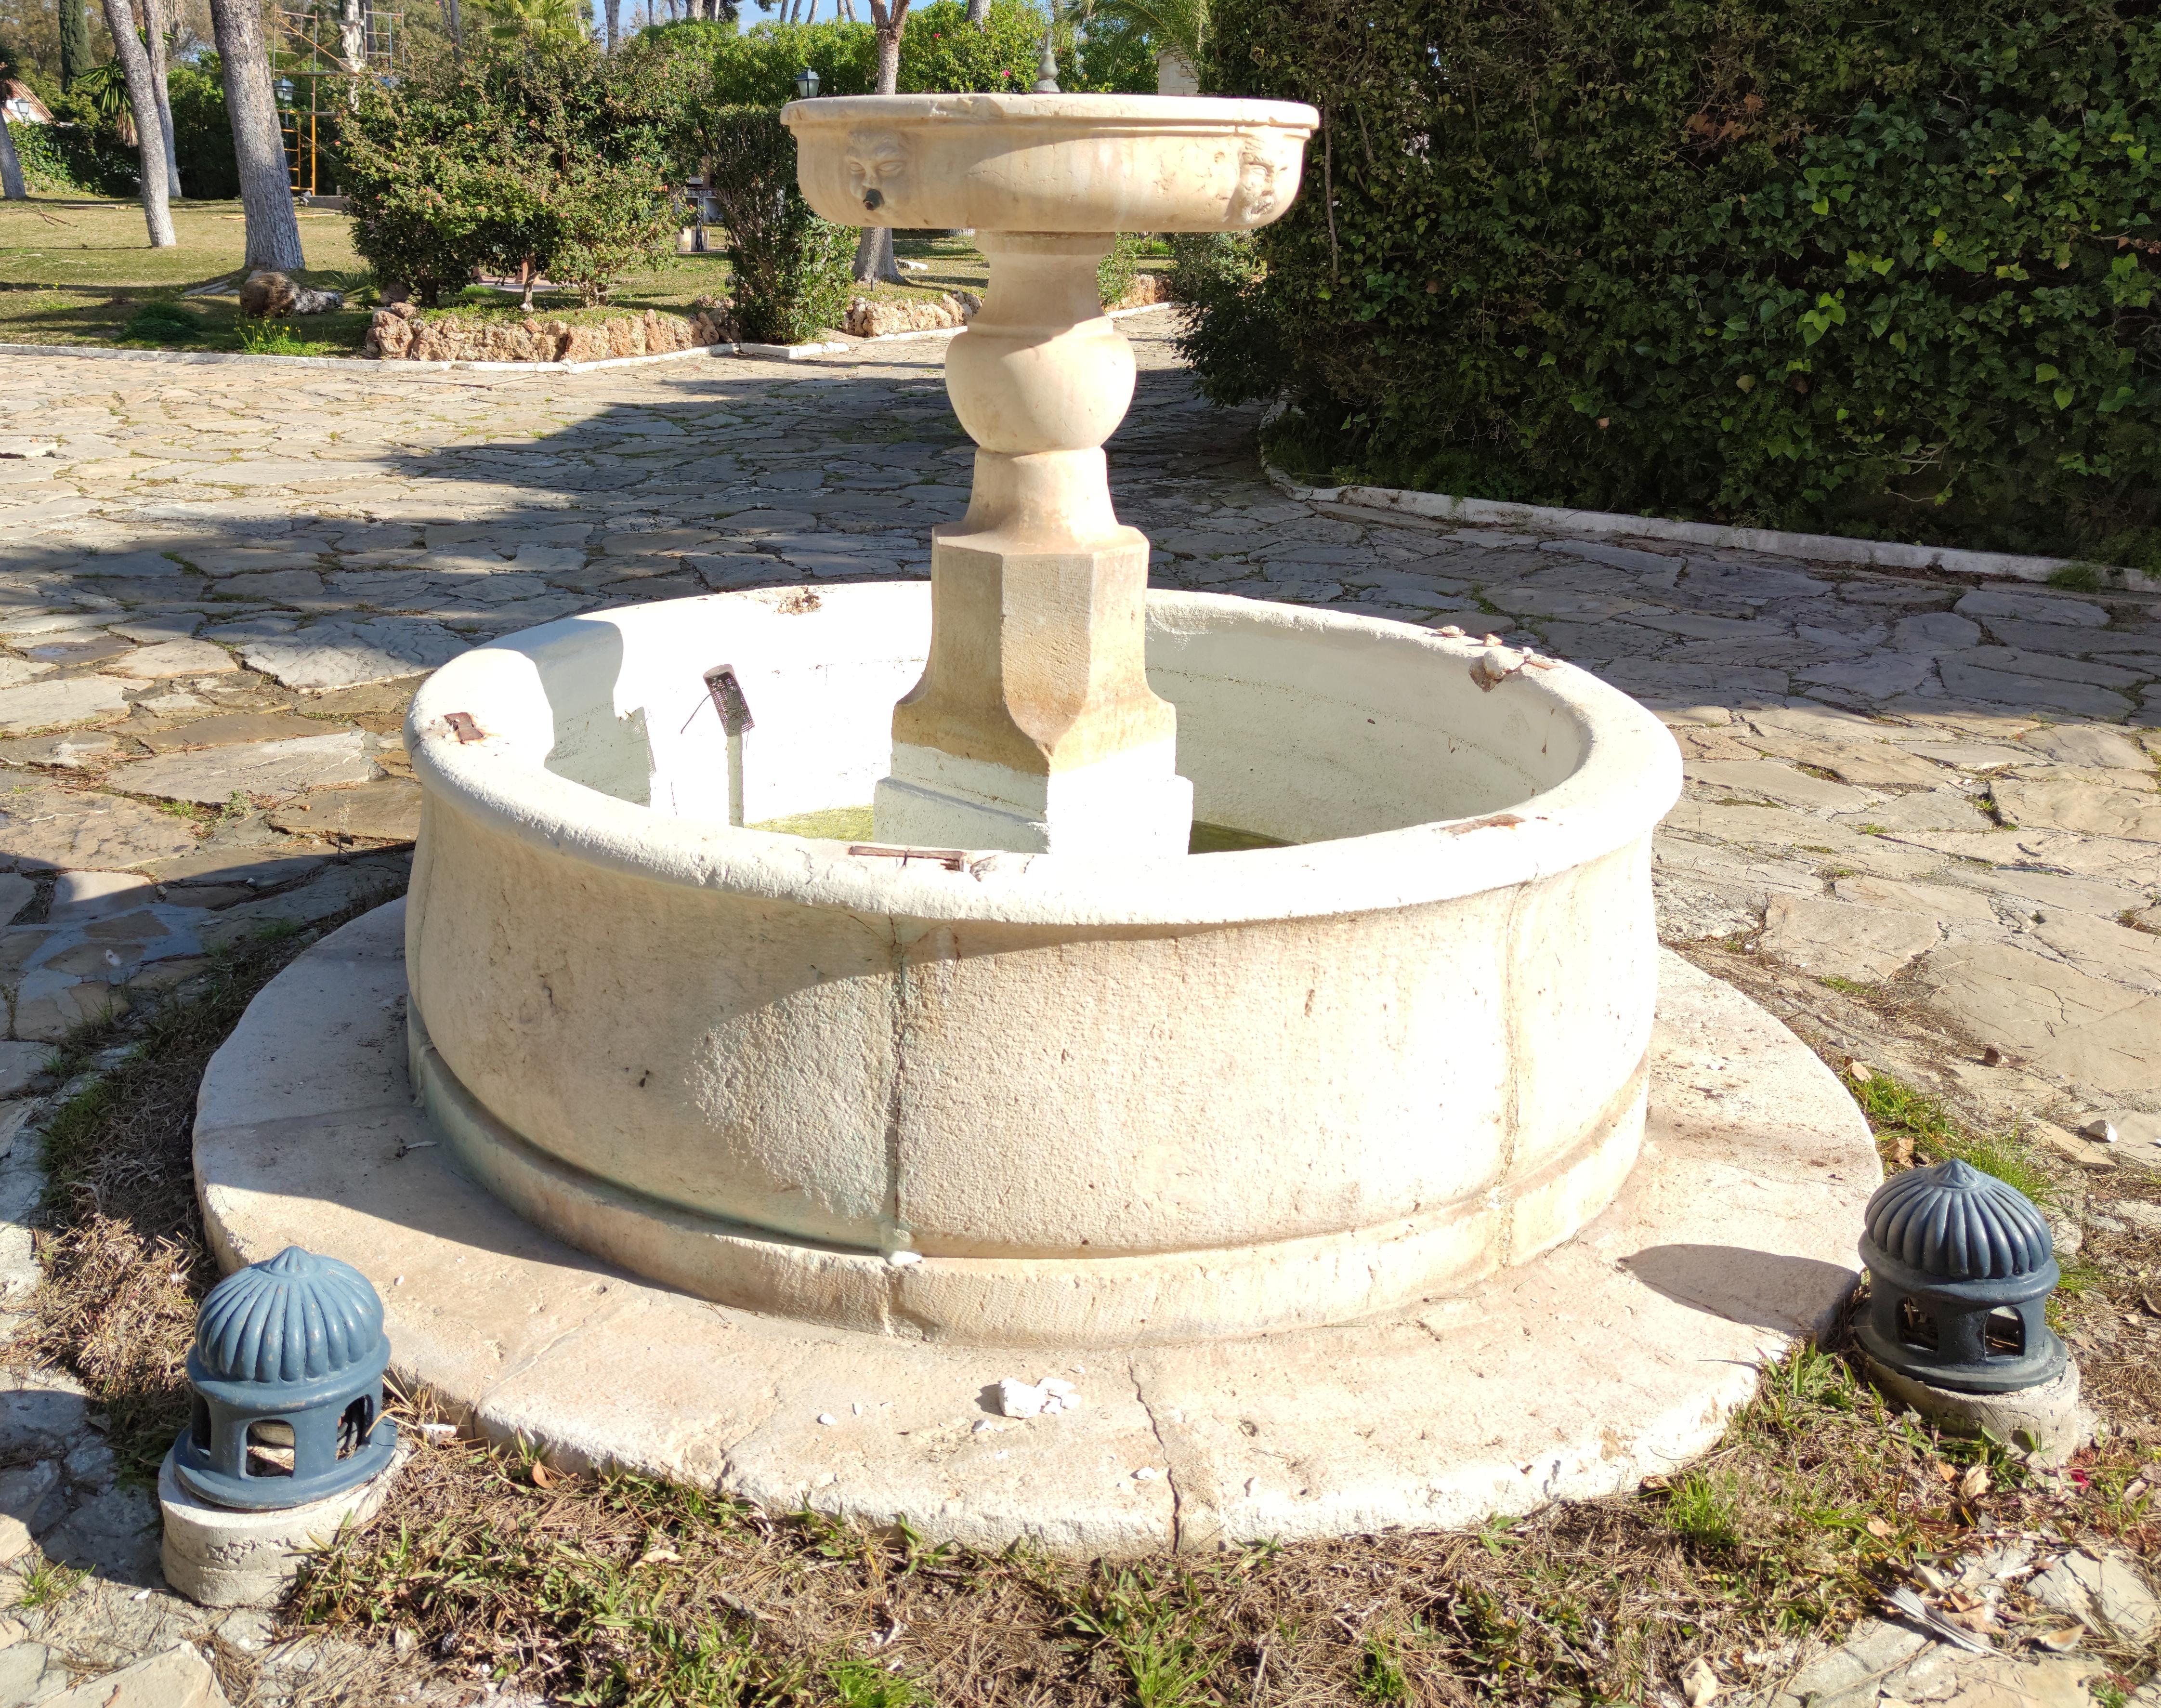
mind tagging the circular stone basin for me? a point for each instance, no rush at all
(1050, 162)
(1013, 1098)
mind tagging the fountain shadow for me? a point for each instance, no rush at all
(1766, 1289)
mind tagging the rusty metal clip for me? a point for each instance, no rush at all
(952, 859)
(728, 700)
(464, 728)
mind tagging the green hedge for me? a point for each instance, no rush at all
(1888, 269)
(73, 159)
(941, 51)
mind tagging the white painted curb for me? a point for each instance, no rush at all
(1822, 548)
(770, 352)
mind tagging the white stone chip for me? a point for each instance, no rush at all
(1043, 1399)
(2101, 1128)
(1020, 1399)
(904, 1259)
(1147, 1473)
(827, 1417)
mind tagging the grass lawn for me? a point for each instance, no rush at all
(74, 271)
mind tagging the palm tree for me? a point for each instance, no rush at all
(535, 20)
(1176, 28)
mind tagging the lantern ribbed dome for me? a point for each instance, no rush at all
(293, 1318)
(1955, 1223)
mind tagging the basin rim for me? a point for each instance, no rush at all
(1628, 780)
(1109, 114)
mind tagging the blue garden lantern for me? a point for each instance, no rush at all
(1961, 1265)
(286, 1369)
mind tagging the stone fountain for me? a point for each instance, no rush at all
(1023, 1073)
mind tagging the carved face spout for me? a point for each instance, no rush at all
(1257, 196)
(877, 159)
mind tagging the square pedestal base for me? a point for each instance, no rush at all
(1134, 807)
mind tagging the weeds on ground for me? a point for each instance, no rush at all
(121, 1244)
(618, 1591)
(275, 338)
(45, 1584)
(1911, 1125)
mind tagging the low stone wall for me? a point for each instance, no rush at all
(1147, 290)
(865, 319)
(404, 333)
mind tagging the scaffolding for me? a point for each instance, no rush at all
(319, 57)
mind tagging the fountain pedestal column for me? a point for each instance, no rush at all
(1034, 727)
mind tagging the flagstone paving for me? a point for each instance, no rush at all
(1921, 820)
(216, 591)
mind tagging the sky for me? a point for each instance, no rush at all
(751, 13)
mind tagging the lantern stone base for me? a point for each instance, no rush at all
(2049, 1418)
(1620, 1352)
(218, 1557)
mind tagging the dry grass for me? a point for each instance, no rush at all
(621, 1592)
(121, 1246)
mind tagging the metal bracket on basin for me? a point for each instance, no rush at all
(729, 701)
(952, 859)
(464, 728)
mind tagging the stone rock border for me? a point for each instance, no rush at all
(1619, 1354)
(1820, 548)
(762, 352)
(948, 331)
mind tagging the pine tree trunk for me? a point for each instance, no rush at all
(614, 22)
(874, 258)
(266, 182)
(149, 134)
(979, 13)
(11, 168)
(153, 28)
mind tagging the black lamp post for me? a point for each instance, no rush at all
(806, 85)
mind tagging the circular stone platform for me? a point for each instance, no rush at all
(1612, 1356)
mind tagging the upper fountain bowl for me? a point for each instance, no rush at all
(1050, 162)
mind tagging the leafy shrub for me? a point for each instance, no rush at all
(790, 267)
(75, 159)
(758, 68)
(538, 150)
(941, 51)
(1884, 266)
(163, 323)
(1114, 273)
(202, 132)
(1231, 336)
